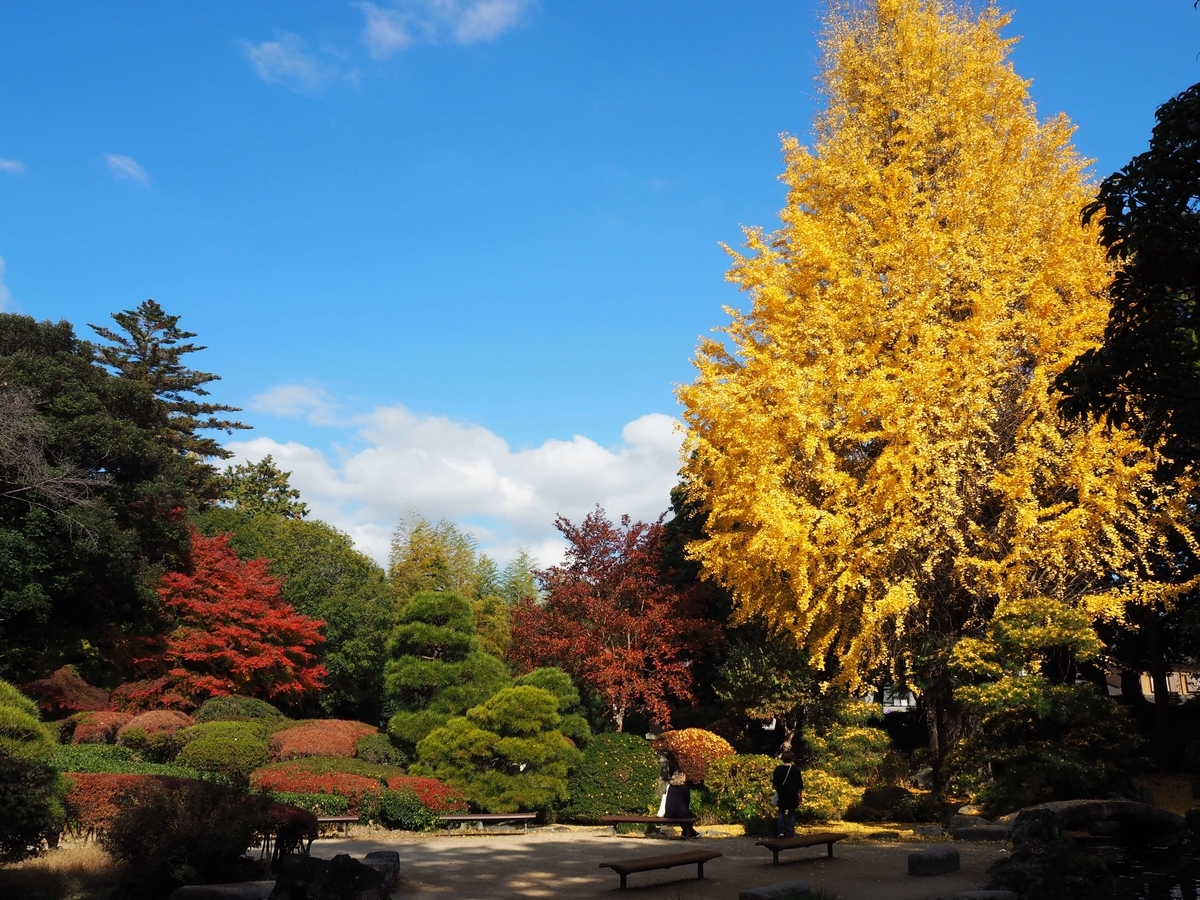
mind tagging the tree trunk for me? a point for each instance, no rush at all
(1158, 677)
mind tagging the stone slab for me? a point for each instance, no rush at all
(936, 861)
(386, 863)
(929, 830)
(783, 890)
(241, 890)
(964, 821)
(884, 836)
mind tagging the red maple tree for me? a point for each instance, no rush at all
(234, 632)
(611, 619)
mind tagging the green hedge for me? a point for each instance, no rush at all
(379, 749)
(233, 749)
(113, 760)
(404, 809)
(234, 708)
(317, 804)
(617, 774)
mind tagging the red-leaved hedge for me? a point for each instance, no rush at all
(323, 737)
(99, 727)
(437, 797)
(358, 790)
(93, 800)
(157, 721)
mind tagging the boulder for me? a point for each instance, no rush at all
(929, 830)
(1037, 826)
(783, 890)
(970, 810)
(340, 878)
(982, 833)
(884, 836)
(242, 890)
(1193, 819)
(936, 861)
(1135, 818)
(884, 797)
(386, 863)
(961, 821)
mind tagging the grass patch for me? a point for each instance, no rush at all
(73, 870)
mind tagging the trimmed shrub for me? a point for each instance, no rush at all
(234, 708)
(826, 796)
(165, 835)
(31, 806)
(741, 789)
(108, 759)
(22, 735)
(378, 748)
(10, 696)
(404, 809)
(317, 804)
(438, 797)
(618, 773)
(362, 793)
(693, 749)
(91, 800)
(323, 737)
(231, 749)
(154, 734)
(320, 764)
(97, 726)
(65, 693)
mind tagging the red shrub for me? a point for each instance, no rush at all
(153, 693)
(97, 727)
(325, 737)
(355, 788)
(64, 693)
(158, 721)
(693, 749)
(438, 797)
(93, 800)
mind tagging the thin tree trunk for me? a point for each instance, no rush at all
(1158, 678)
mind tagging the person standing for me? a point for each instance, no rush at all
(788, 784)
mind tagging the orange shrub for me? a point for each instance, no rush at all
(323, 737)
(693, 749)
(157, 721)
(437, 797)
(94, 798)
(98, 727)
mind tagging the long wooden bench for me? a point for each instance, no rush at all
(775, 845)
(523, 818)
(344, 821)
(614, 821)
(667, 861)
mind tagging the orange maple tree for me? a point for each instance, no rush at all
(611, 619)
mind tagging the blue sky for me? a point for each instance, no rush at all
(454, 253)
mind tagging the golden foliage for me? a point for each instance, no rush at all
(874, 442)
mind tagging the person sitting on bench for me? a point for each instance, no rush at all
(788, 784)
(679, 798)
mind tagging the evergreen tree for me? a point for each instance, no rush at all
(147, 350)
(261, 487)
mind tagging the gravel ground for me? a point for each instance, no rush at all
(563, 861)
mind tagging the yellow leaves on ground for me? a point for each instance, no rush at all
(875, 441)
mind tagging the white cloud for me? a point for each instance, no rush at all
(507, 498)
(384, 33)
(297, 401)
(285, 62)
(5, 293)
(12, 165)
(463, 21)
(126, 167)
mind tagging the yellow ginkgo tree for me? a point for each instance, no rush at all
(874, 442)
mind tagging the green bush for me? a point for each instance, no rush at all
(233, 749)
(826, 796)
(110, 759)
(741, 789)
(853, 746)
(191, 831)
(317, 804)
(617, 773)
(379, 749)
(404, 809)
(234, 708)
(22, 733)
(31, 805)
(159, 747)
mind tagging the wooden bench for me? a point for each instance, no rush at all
(775, 845)
(668, 861)
(523, 818)
(614, 821)
(344, 821)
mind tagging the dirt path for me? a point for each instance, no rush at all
(565, 863)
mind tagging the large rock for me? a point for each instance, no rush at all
(937, 861)
(961, 821)
(1037, 826)
(340, 878)
(1136, 819)
(982, 833)
(783, 890)
(386, 863)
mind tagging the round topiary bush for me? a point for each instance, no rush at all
(322, 737)
(232, 749)
(235, 708)
(378, 748)
(693, 749)
(98, 727)
(618, 773)
(154, 734)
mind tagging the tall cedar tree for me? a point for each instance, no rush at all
(611, 619)
(147, 350)
(234, 632)
(875, 444)
(89, 508)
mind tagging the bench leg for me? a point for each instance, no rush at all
(775, 854)
(831, 849)
(623, 877)
(699, 870)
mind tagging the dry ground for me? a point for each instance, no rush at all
(564, 862)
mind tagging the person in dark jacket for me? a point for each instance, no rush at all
(789, 785)
(679, 800)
